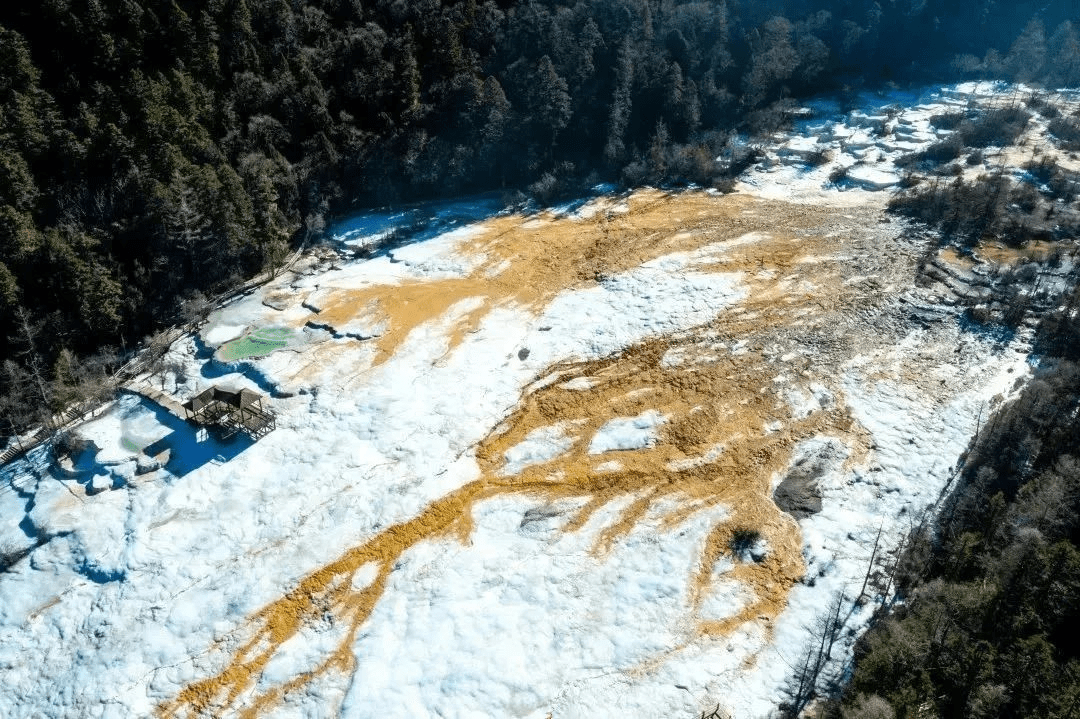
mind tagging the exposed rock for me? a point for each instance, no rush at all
(99, 483)
(279, 299)
(760, 549)
(65, 467)
(145, 465)
(800, 147)
(538, 514)
(871, 178)
(799, 493)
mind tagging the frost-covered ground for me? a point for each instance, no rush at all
(509, 461)
(829, 151)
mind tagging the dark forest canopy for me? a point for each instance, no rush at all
(155, 150)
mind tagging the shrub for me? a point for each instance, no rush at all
(909, 180)
(979, 314)
(741, 159)
(544, 189)
(1067, 131)
(939, 153)
(1040, 102)
(743, 541)
(1064, 184)
(514, 200)
(724, 184)
(694, 163)
(69, 444)
(988, 205)
(10, 555)
(819, 157)
(948, 120)
(636, 173)
(998, 127)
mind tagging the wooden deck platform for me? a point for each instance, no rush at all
(230, 411)
(163, 400)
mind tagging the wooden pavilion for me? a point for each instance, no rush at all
(231, 412)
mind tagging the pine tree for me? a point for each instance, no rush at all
(1027, 56)
(621, 105)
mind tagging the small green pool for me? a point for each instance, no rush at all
(257, 343)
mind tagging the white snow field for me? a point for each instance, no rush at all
(509, 461)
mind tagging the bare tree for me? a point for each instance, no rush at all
(869, 706)
(870, 564)
(195, 308)
(11, 554)
(803, 685)
(186, 225)
(17, 399)
(175, 368)
(155, 347)
(27, 342)
(715, 714)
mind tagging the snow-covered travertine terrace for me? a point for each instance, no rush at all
(509, 464)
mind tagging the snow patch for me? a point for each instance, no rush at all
(540, 445)
(223, 333)
(624, 433)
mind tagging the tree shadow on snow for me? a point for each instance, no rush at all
(1000, 334)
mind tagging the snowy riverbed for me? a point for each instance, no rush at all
(516, 584)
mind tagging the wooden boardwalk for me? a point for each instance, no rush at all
(141, 363)
(166, 401)
(59, 421)
(75, 413)
(19, 449)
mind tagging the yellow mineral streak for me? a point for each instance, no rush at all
(1002, 254)
(526, 263)
(950, 257)
(721, 392)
